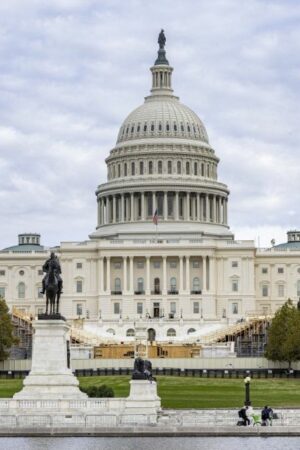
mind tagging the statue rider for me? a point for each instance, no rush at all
(53, 260)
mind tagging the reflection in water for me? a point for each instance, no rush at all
(140, 443)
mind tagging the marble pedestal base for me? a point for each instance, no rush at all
(143, 398)
(50, 377)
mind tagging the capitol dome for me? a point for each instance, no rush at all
(162, 167)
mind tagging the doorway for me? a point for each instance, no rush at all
(156, 312)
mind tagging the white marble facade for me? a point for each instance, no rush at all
(186, 272)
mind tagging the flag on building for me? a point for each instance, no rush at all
(155, 217)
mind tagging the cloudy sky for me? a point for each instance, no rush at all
(71, 70)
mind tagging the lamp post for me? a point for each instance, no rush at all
(247, 391)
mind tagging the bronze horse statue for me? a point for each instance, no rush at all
(52, 290)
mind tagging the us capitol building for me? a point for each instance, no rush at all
(180, 277)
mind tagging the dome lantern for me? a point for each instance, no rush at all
(161, 71)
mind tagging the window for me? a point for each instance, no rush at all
(117, 265)
(78, 265)
(145, 127)
(141, 168)
(265, 290)
(187, 168)
(168, 127)
(196, 284)
(171, 332)
(130, 332)
(173, 284)
(280, 270)
(195, 264)
(234, 264)
(235, 285)
(125, 169)
(2, 292)
(178, 167)
(159, 167)
(195, 168)
(117, 285)
(281, 290)
(39, 294)
(173, 307)
(111, 331)
(116, 308)
(79, 309)
(264, 270)
(235, 308)
(175, 127)
(2, 273)
(21, 272)
(140, 284)
(79, 286)
(298, 288)
(152, 127)
(196, 308)
(140, 264)
(21, 290)
(191, 330)
(150, 168)
(159, 126)
(156, 265)
(139, 308)
(173, 264)
(138, 128)
(169, 167)
(132, 168)
(156, 285)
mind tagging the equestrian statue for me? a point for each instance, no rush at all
(52, 284)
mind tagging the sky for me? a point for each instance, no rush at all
(72, 70)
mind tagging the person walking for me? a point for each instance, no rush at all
(243, 414)
(266, 416)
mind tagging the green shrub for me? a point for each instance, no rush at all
(98, 391)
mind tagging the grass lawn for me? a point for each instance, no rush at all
(188, 392)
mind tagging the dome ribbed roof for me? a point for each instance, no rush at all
(162, 116)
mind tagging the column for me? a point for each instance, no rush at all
(164, 289)
(180, 273)
(143, 206)
(114, 209)
(176, 205)
(198, 207)
(214, 209)
(204, 287)
(211, 273)
(207, 218)
(194, 198)
(107, 210)
(124, 273)
(187, 274)
(122, 208)
(165, 205)
(225, 211)
(99, 212)
(108, 275)
(201, 208)
(131, 288)
(102, 211)
(153, 202)
(187, 206)
(132, 207)
(101, 275)
(208, 269)
(147, 275)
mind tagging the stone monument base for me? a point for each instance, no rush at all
(50, 377)
(143, 399)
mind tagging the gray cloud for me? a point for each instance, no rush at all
(71, 71)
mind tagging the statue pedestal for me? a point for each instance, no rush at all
(143, 398)
(50, 377)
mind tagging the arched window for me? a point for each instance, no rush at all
(173, 284)
(202, 170)
(111, 331)
(130, 332)
(140, 285)
(152, 127)
(159, 166)
(159, 127)
(171, 332)
(169, 167)
(191, 330)
(138, 128)
(195, 168)
(118, 285)
(141, 168)
(21, 290)
(168, 127)
(150, 168)
(125, 170)
(178, 167)
(132, 168)
(196, 284)
(187, 168)
(145, 127)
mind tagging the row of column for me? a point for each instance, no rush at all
(129, 284)
(188, 206)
